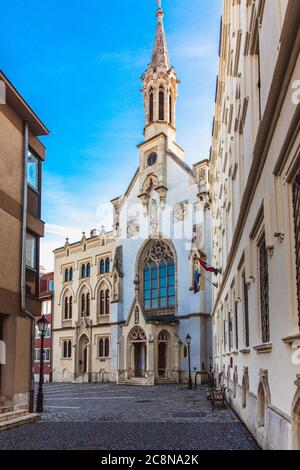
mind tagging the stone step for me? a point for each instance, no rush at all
(5, 409)
(12, 414)
(25, 419)
(134, 381)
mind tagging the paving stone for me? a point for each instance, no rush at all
(108, 416)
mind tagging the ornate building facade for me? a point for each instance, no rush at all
(138, 280)
(254, 176)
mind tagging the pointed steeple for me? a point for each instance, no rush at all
(160, 55)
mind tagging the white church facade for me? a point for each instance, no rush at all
(126, 300)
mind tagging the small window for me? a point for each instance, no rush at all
(83, 271)
(66, 275)
(107, 265)
(83, 305)
(151, 106)
(88, 302)
(104, 347)
(71, 307)
(71, 274)
(107, 299)
(31, 251)
(161, 104)
(32, 171)
(67, 349)
(88, 270)
(102, 303)
(51, 285)
(102, 266)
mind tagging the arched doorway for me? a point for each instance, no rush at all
(163, 350)
(138, 352)
(83, 355)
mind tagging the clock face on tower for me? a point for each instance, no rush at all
(152, 159)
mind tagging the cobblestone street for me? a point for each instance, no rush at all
(100, 416)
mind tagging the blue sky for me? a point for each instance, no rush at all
(78, 64)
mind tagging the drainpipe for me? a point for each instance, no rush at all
(23, 264)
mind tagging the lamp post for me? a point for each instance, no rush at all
(42, 326)
(188, 342)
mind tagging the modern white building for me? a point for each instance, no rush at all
(255, 184)
(131, 292)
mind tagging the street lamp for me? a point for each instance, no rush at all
(188, 342)
(42, 326)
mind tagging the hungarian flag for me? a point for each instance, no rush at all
(209, 268)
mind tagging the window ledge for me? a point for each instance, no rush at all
(290, 339)
(263, 348)
(103, 319)
(245, 351)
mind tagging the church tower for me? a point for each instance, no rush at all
(160, 93)
(160, 87)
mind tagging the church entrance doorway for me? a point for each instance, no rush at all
(140, 359)
(163, 349)
(138, 352)
(83, 355)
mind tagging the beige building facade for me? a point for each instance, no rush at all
(82, 303)
(21, 158)
(255, 190)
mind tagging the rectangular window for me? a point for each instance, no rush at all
(296, 208)
(264, 291)
(246, 310)
(31, 251)
(37, 355)
(103, 347)
(67, 349)
(32, 171)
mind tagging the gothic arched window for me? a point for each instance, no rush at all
(161, 101)
(151, 106)
(102, 266)
(69, 349)
(88, 270)
(83, 304)
(71, 307)
(83, 271)
(71, 274)
(88, 303)
(101, 347)
(159, 276)
(170, 109)
(102, 303)
(107, 296)
(107, 265)
(106, 347)
(66, 308)
(66, 275)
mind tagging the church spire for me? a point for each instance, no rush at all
(160, 87)
(160, 55)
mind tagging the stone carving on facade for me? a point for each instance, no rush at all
(153, 216)
(132, 229)
(117, 274)
(181, 211)
(82, 326)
